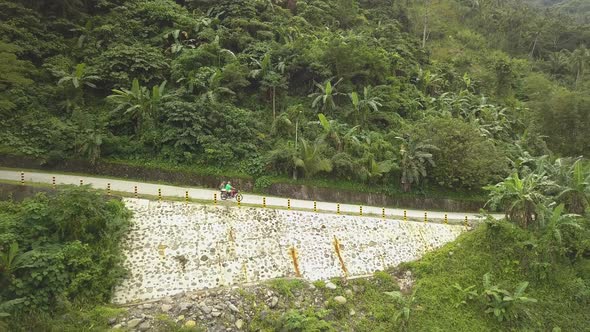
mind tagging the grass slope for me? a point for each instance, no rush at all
(509, 254)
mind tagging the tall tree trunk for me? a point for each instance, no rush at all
(534, 45)
(292, 5)
(425, 29)
(274, 112)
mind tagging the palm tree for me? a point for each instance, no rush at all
(306, 159)
(78, 77)
(271, 77)
(578, 60)
(558, 62)
(373, 170)
(310, 160)
(12, 260)
(364, 105)
(138, 104)
(178, 40)
(575, 187)
(554, 225)
(324, 98)
(89, 144)
(330, 131)
(414, 157)
(73, 84)
(213, 89)
(4, 308)
(520, 198)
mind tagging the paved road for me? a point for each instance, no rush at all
(207, 194)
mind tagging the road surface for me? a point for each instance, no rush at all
(208, 194)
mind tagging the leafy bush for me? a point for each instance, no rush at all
(61, 249)
(307, 321)
(262, 183)
(503, 304)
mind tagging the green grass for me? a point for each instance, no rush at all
(285, 287)
(74, 320)
(497, 251)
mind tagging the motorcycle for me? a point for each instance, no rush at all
(231, 195)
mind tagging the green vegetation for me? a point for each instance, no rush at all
(60, 254)
(409, 96)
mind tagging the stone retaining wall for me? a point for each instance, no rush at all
(174, 248)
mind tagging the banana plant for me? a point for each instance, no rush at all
(138, 104)
(324, 99)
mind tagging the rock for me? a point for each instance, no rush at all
(239, 324)
(311, 286)
(134, 322)
(190, 323)
(112, 320)
(166, 307)
(118, 326)
(348, 292)
(232, 307)
(179, 318)
(205, 309)
(167, 300)
(330, 285)
(185, 306)
(147, 306)
(352, 312)
(340, 299)
(216, 314)
(273, 302)
(144, 326)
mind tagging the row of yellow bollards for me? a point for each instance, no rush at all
(186, 200)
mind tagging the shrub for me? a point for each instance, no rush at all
(60, 249)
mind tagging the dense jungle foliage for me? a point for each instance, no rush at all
(58, 253)
(398, 94)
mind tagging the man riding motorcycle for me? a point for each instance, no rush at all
(230, 190)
